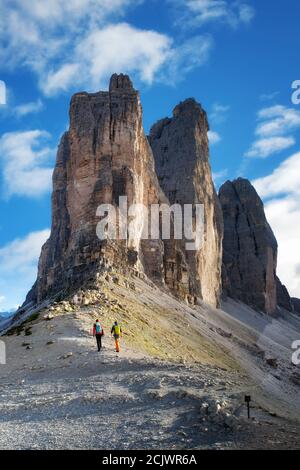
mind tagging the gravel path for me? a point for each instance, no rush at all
(180, 392)
(102, 401)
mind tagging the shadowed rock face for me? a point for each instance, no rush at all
(283, 297)
(180, 149)
(296, 305)
(250, 250)
(104, 155)
(249, 247)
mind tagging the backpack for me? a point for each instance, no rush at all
(117, 330)
(99, 330)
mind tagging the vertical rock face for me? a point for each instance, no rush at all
(104, 155)
(283, 297)
(296, 305)
(249, 247)
(181, 153)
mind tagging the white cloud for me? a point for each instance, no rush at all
(269, 96)
(191, 54)
(25, 163)
(18, 267)
(81, 42)
(61, 79)
(114, 48)
(201, 12)
(281, 191)
(263, 148)
(275, 122)
(28, 108)
(283, 180)
(219, 113)
(147, 54)
(45, 30)
(214, 138)
(20, 110)
(219, 177)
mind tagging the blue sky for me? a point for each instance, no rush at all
(237, 58)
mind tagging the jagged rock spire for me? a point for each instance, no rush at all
(181, 151)
(120, 82)
(250, 250)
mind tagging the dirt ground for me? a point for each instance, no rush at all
(179, 381)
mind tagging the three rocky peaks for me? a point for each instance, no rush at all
(104, 155)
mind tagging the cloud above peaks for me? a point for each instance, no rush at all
(275, 124)
(263, 148)
(123, 48)
(277, 120)
(114, 48)
(283, 180)
(25, 159)
(18, 267)
(214, 137)
(82, 42)
(46, 32)
(198, 13)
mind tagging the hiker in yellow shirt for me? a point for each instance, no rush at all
(116, 332)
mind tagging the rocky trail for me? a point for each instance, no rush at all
(109, 402)
(58, 392)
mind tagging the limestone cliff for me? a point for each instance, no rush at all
(296, 305)
(181, 151)
(250, 250)
(249, 247)
(105, 154)
(283, 297)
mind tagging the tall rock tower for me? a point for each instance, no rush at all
(249, 248)
(181, 151)
(104, 155)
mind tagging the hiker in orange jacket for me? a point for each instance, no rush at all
(98, 332)
(116, 332)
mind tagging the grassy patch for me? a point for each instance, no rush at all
(17, 330)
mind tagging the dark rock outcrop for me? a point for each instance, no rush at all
(283, 297)
(181, 151)
(296, 305)
(249, 247)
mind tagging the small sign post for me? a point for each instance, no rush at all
(248, 400)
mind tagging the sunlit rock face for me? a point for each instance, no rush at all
(105, 155)
(181, 151)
